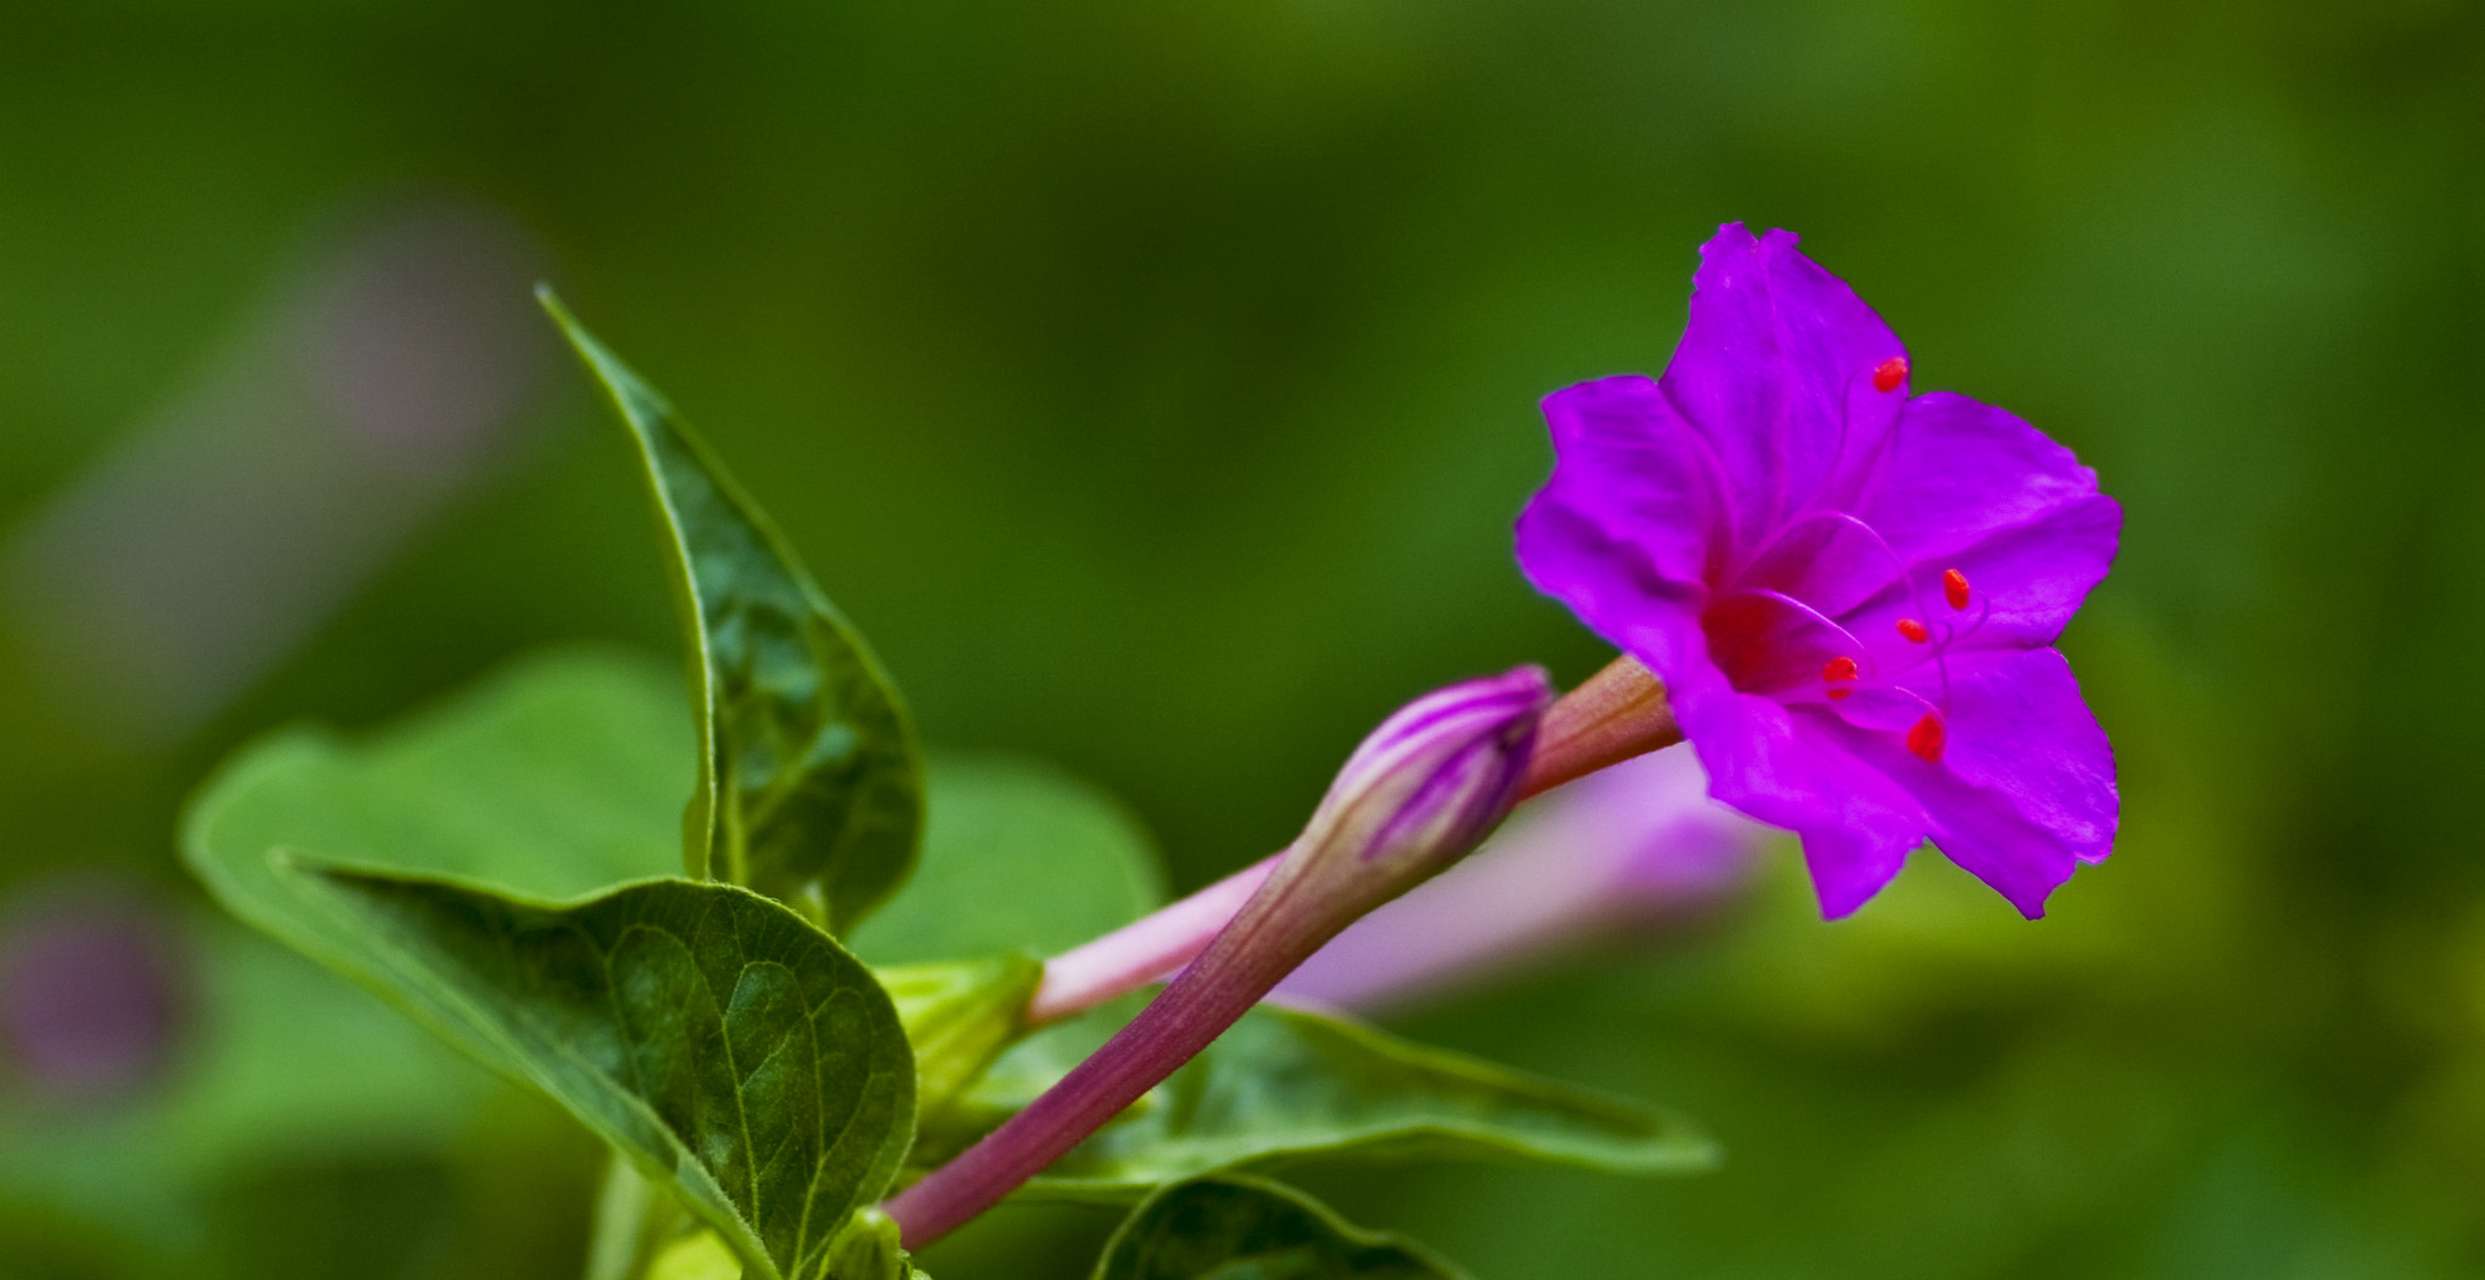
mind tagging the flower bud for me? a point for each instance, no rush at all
(1618, 714)
(1424, 789)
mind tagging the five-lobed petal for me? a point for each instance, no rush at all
(1850, 592)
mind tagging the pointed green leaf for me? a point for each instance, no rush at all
(561, 775)
(719, 1040)
(1236, 1227)
(1286, 1085)
(558, 776)
(810, 785)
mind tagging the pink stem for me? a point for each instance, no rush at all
(1226, 979)
(1145, 950)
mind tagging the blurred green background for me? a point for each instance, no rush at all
(1154, 385)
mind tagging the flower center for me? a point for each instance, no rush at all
(1797, 628)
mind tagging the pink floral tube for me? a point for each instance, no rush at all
(1636, 846)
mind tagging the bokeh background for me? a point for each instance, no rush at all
(1155, 385)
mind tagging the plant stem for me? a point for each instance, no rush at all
(1229, 977)
(1421, 791)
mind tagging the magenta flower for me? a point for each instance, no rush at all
(1850, 593)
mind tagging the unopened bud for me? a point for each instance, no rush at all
(1424, 789)
(1618, 714)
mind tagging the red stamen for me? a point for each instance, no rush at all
(1916, 632)
(1928, 737)
(1954, 588)
(1839, 668)
(1889, 374)
(1840, 693)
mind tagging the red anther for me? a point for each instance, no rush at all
(1916, 632)
(1840, 693)
(1927, 738)
(1839, 668)
(1889, 373)
(1954, 588)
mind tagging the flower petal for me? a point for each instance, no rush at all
(2027, 580)
(1776, 369)
(1793, 768)
(1966, 482)
(1849, 867)
(2025, 789)
(1626, 463)
(2020, 729)
(1956, 469)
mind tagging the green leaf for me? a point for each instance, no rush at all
(1235, 1227)
(1285, 1085)
(562, 774)
(959, 1017)
(716, 1038)
(1017, 857)
(810, 785)
(556, 777)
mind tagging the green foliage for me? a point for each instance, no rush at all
(1017, 856)
(559, 775)
(1286, 1085)
(556, 777)
(1237, 1227)
(810, 787)
(959, 1018)
(630, 1009)
(710, 1034)
(749, 1069)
